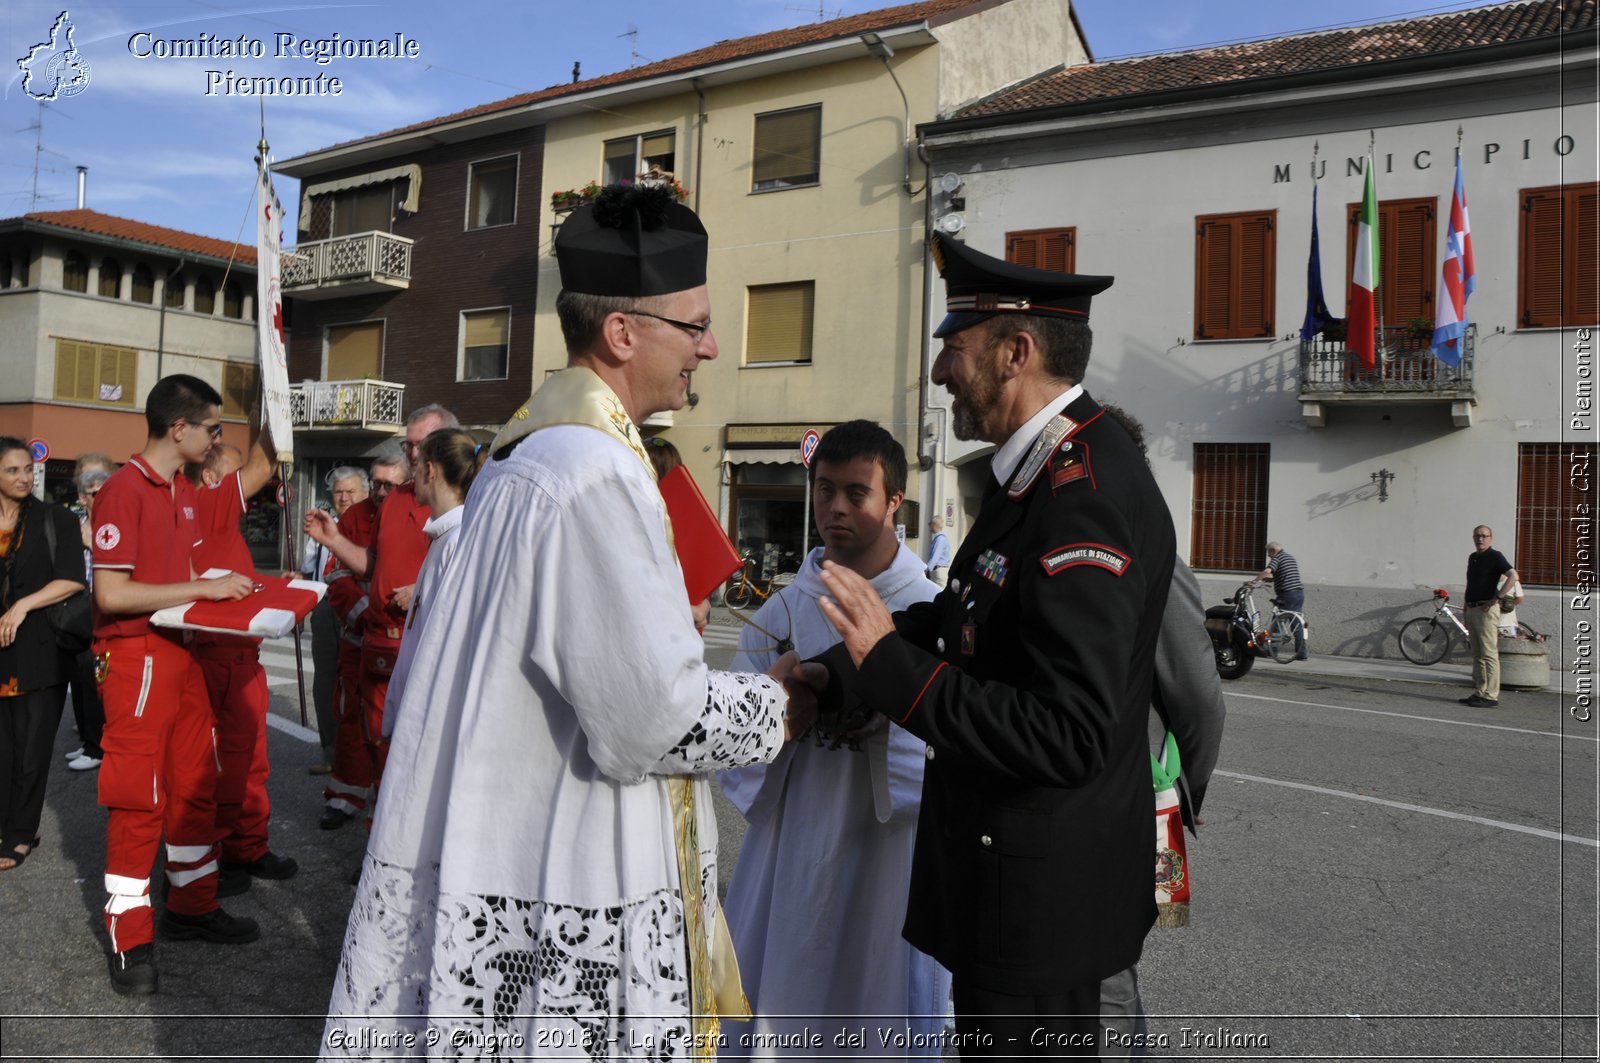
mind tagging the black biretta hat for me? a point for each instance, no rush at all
(632, 240)
(979, 286)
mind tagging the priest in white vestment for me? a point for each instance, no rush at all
(818, 896)
(540, 880)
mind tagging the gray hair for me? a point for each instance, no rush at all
(582, 314)
(390, 455)
(433, 409)
(347, 472)
(92, 478)
(1274, 546)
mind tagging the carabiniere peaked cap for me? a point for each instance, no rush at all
(979, 286)
(633, 240)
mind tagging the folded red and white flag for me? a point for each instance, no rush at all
(271, 612)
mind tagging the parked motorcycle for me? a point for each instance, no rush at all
(1232, 627)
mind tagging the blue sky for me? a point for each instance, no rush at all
(159, 149)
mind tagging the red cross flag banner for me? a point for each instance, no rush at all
(269, 312)
(271, 612)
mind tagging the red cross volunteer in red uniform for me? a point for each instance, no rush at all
(159, 775)
(235, 680)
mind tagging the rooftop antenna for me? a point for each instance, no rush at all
(822, 13)
(37, 125)
(634, 58)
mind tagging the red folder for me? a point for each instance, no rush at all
(705, 552)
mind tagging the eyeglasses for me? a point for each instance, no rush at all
(214, 429)
(697, 331)
(380, 486)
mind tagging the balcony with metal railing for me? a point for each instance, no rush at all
(359, 264)
(347, 406)
(1407, 373)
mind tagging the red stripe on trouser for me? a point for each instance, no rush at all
(159, 774)
(237, 685)
(374, 688)
(352, 760)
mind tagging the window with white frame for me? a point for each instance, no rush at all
(643, 155)
(485, 344)
(492, 192)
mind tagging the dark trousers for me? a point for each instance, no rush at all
(87, 710)
(1056, 1024)
(28, 726)
(325, 674)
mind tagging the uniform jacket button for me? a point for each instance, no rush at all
(986, 841)
(939, 645)
(928, 752)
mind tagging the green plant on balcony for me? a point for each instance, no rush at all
(573, 198)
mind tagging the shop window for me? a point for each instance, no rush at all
(75, 272)
(1555, 508)
(628, 159)
(1229, 522)
(485, 344)
(778, 323)
(96, 372)
(767, 502)
(110, 278)
(1558, 275)
(788, 149)
(1234, 265)
(1054, 249)
(144, 285)
(492, 193)
(1407, 273)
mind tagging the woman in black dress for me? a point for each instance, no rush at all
(33, 670)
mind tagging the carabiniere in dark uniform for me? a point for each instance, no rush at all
(1029, 677)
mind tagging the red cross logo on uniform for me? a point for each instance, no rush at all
(107, 536)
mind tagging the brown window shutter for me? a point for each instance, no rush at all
(1023, 249)
(1053, 249)
(1213, 272)
(1408, 261)
(1541, 259)
(1255, 276)
(1555, 486)
(1584, 304)
(1229, 526)
(778, 323)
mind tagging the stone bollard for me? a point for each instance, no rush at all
(1524, 664)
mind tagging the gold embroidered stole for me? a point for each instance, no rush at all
(577, 396)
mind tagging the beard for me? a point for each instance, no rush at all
(973, 403)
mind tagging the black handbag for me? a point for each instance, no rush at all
(72, 619)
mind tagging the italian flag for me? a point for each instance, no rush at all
(1361, 307)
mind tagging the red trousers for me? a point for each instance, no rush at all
(237, 685)
(159, 775)
(355, 740)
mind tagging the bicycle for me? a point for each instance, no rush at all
(1426, 639)
(1278, 639)
(742, 590)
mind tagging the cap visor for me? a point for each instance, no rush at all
(956, 322)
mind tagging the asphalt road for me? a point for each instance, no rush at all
(1382, 872)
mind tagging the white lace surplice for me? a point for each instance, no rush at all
(521, 886)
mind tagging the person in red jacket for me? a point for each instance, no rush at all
(351, 780)
(235, 680)
(159, 774)
(390, 563)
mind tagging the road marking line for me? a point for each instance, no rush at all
(292, 729)
(1425, 719)
(1403, 806)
